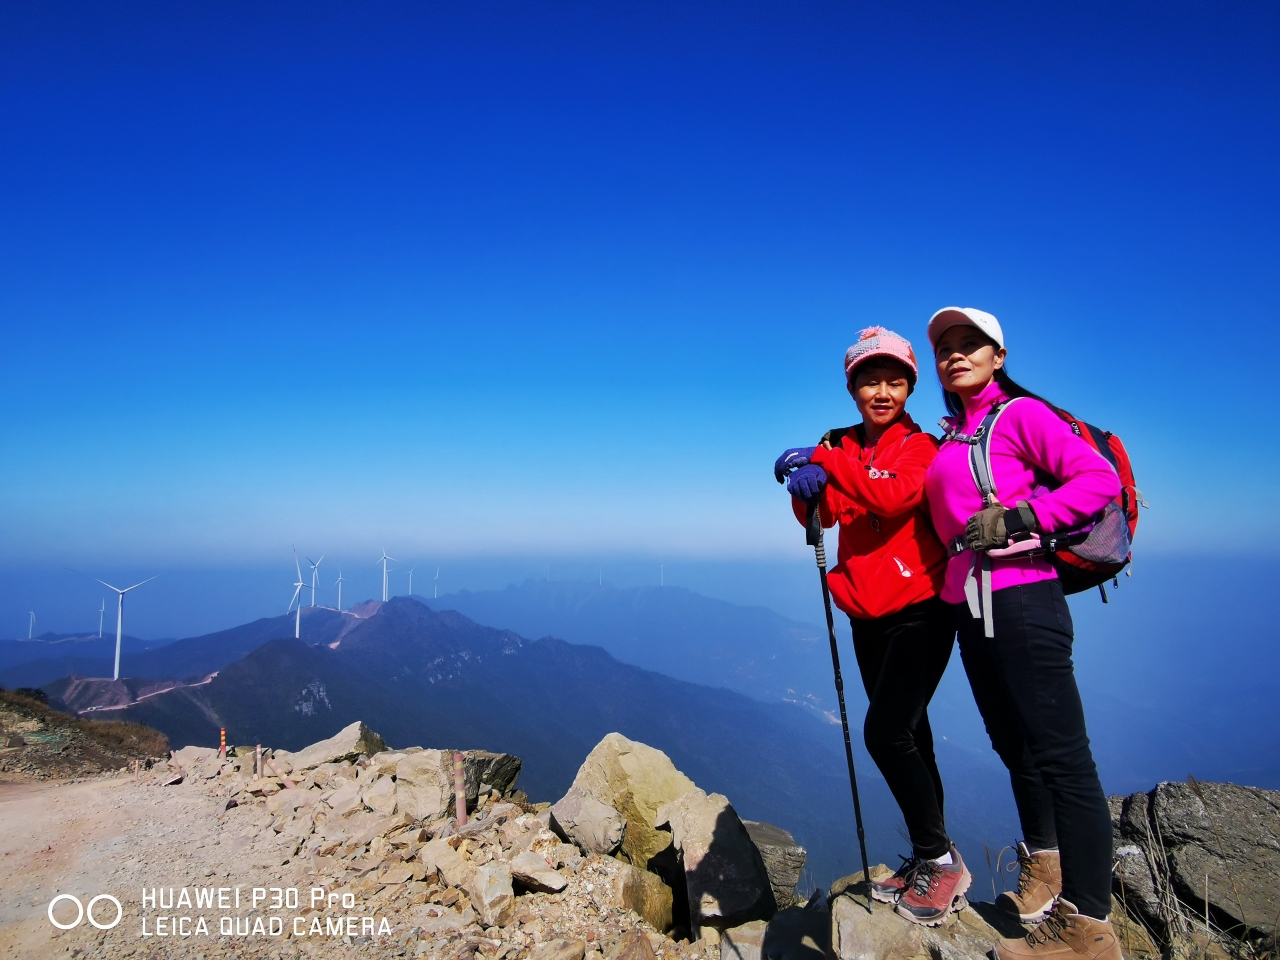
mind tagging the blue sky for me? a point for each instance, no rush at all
(561, 280)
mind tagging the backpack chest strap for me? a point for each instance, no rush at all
(977, 585)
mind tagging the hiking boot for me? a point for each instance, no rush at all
(934, 890)
(1039, 884)
(1063, 935)
(890, 889)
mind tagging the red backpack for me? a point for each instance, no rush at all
(1084, 565)
(1097, 552)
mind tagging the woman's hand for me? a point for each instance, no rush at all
(807, 482)
(790, 460)
(994, 527)
(985, 529)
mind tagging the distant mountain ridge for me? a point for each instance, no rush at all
(749, 649)
(189, 659)
(34, 662)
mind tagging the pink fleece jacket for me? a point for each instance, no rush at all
(1028, 436)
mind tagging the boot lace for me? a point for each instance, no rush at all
(1025, 879)
(1047, 930)
(909, 866)
(925, 878)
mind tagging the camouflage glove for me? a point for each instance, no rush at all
(994, 527)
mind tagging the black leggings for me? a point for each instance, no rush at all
(1025, 687)
(901, 658)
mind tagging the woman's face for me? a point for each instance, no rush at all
(966, 359)
(880, 390)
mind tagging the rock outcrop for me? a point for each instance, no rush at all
(783, 859)
(1183, 847)
(348, 744)
(880, 934)
(590, 823)
(381, 827)
(635, 780)
(723, 871)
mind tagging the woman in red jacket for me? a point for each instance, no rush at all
(869, 478)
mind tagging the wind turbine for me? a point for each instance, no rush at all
(101, 613)
(297, 598)
(315, 570)
(383, 560)
(435, 589)
(411, 569)
(119, 616)
(339, 586)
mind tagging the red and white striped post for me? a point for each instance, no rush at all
(222, 743)
(459, 790)
(257, 761)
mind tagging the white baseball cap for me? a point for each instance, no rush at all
(949, 317)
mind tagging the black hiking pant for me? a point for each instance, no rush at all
(1025, 686)
(901, 658)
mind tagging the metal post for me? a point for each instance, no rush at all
(459, 790)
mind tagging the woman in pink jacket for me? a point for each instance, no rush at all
(1015, 629)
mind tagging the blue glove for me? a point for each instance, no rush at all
(790, 459)
(807, 482)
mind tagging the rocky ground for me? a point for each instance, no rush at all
(125, 836)
(348, 849)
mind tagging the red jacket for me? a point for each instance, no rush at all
(889, 557)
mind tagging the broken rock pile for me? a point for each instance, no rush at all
(623, 866)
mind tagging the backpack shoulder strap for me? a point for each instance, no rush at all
(980, 453)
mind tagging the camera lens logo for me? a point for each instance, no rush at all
(83, 912)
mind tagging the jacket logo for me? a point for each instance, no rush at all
(902, 567)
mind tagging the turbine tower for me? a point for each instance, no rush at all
(339, 586)
(101, 613)
(297, 598)
(119, 616)
(315, 571)
(31, 625)
(435, 589)
(383, 560)
(411, 569)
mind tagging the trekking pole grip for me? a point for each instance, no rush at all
(813, 533)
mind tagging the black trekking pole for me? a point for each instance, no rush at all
(813, 537)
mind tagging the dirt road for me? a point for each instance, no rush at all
(120, 838)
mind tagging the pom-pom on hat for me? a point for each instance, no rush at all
(880, 342)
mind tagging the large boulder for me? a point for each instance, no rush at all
(424, 784)
(644, 894)
(723, 871)
(635, 780)
(487, 771)
(783, 859)
(590, 823)
(424, 779)
(1168, 841)
(880, 934)
(189, 757)
(350, 743)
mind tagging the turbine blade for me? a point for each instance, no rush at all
(105, 584)
(136, 585)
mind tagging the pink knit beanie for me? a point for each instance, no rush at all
(879, 342)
